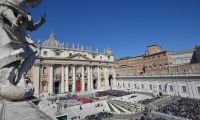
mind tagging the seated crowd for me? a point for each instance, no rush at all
(115, 93)
(69, 100)
(147, 101)
(99, 116)
(133, 96)
(83, 99)
(151, 117)
(182, 107)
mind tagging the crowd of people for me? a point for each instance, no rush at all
(71, 102)
(68, 100)
(133, 96)
(182, 107)
(83, 99)
(98, 105)
(151, 117)
(115, 93)
(99, 116)
(147, 101)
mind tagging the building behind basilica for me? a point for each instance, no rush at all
(158, 62)
(161, 72)
(61, 69)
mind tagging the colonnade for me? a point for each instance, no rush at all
(84, 70)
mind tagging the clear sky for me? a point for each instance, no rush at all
(125, 26)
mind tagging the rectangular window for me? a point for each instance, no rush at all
(142, 85)
(45, 53)
(70, 54)
(129, 85)
(184, 88)
(171, 88)
(198, 88)
(150, 87)
(135, 86)
(160, 87)
(57, 53)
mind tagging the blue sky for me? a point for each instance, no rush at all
(125, 26)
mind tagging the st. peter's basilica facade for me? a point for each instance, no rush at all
(60, 69)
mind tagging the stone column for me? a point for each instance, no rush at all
(62, 79)
(36, 79)
(106, 77)
(66, 78)
(41, 76)
(91, 78)
(83, 79)
(73, 79)
(98, 78)
(114, 78)
(51, 79)
(190, 90)
(177, 88)
(88, 72)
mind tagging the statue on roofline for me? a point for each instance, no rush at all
(196, 55)
(18, 51)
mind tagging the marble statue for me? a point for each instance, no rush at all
(73, 45)
(82, 47)
(196, 55)
(18, 51)
(66, 46)
(62, 45)
(78, 46)
(97, 50)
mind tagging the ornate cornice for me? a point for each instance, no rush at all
(159, 77)
(52, 42)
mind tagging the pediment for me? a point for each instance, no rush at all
(78, 56)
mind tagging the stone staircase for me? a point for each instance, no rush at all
(117, 106)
